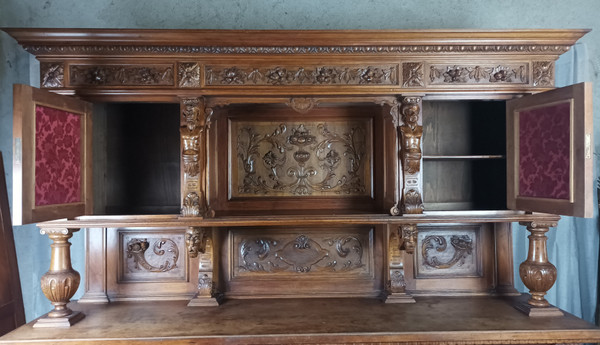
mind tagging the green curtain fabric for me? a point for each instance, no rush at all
(573, 247)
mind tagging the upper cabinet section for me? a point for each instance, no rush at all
(121, 63)
(549, 152)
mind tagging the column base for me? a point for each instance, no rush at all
(400, 297)
(94, 297)
(205, 301)
(59, 322)
(533, 311)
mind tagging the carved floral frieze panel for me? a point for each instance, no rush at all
(302, 252)
(296, 159)
(302, 75)
(152, 256)
(448, 251)
(121, 75)
(444, 74)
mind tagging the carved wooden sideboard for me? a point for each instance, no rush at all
(340, 169)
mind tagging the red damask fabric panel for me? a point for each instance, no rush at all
(544, 151)
(57, 156)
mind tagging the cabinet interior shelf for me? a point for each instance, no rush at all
(463, 157)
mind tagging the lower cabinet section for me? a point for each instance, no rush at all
(295, 262)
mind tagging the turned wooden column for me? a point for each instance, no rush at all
(61, 281)
(537, 273)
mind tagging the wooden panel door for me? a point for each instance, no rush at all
(52, 141)
(549, 152)
(11, 300)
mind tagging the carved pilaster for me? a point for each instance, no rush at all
(195, 123)
(61, 281)
(411, 132)
(200, 244)
(537, 273)
(409, 237)
(396, 284)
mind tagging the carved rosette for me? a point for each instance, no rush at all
(543, 73)
(412, 74)
(61, 281)
(479, 74)
(537, 273)
(188, 74)
(121, 75)
(409, 237)
(309, 75)
(52, 74)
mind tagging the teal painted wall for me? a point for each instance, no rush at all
(17, 67)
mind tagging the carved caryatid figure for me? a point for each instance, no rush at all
(411, 133)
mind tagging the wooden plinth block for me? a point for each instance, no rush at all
(58, 322)
(533, 311)
(397, 298)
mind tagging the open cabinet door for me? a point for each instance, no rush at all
(549, 152)
(52, 172)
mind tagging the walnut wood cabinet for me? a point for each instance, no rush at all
(301, 164)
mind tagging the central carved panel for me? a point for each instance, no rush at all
(302, 252)
(301, 158)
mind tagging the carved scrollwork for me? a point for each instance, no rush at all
(165, 249)
(478, 74)
(301, 163)
(188, 74)
(543, 73)
(301, 255)
(52, 74)
(115, 75)
(291, 75)
(412, 74)
(462, 246)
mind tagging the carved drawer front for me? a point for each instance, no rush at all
(303, 262)
(451, 251)
(280, 253)
(152, 256)
(329, 157)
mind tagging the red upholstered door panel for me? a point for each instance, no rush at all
(52, 175)
(549, 152)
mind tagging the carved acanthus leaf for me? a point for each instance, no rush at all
(413, 202)
(479, 74)
(191, 205)
(543, 73)
(462, 246)
(163, 248)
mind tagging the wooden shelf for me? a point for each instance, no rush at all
(464, 320)
(463, 157)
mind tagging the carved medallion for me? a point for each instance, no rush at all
(479, 74)
(116, 75)
(309, 158)
(52, 74)
(294, 75)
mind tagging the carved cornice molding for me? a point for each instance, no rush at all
(117, 49)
